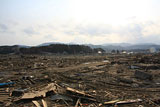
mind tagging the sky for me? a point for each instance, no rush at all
(32, 22)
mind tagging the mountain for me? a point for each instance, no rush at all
(125, 46)
(22, 46)
(146, 44)
(117, 44)
(56, 46)
(143, 46)
(49, 43)
(113, 46)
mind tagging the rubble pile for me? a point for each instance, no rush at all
(80, 81)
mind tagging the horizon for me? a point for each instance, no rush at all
(95, 22)
(106, 44)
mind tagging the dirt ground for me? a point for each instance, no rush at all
(105, 77)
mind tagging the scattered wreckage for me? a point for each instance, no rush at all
(80, 81)
(75, 95)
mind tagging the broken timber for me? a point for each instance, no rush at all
(44, 103)
(117, 102)
(78, 92)
(40, 93)
(36, 103)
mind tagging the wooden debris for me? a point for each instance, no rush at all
(44, 103)
(109, 102)
(36, 103)
(65, 102)
(143, 75)
(117, 102)
(129, 101)
(78, 92)
(40, 93)
(77, 103)
(70, 81)
(61, 97)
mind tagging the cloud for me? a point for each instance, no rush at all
(132, 32)
(151, 29)
(50, 37)
(30, 31)
(3, 28)
(95, 33)
(6, 28)
(93, 30)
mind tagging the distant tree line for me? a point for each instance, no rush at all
(57, 48)
(54, 48)
(7, 49)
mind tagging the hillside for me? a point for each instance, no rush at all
(50, 48)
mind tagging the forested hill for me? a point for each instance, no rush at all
(53, 48)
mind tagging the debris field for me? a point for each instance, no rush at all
(80, 80)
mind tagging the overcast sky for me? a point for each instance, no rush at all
(32, 22)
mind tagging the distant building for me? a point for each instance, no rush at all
(152, 50)
(99, 52)
(124, 52)
(130, 53)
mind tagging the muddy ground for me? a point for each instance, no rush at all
(104, 77)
